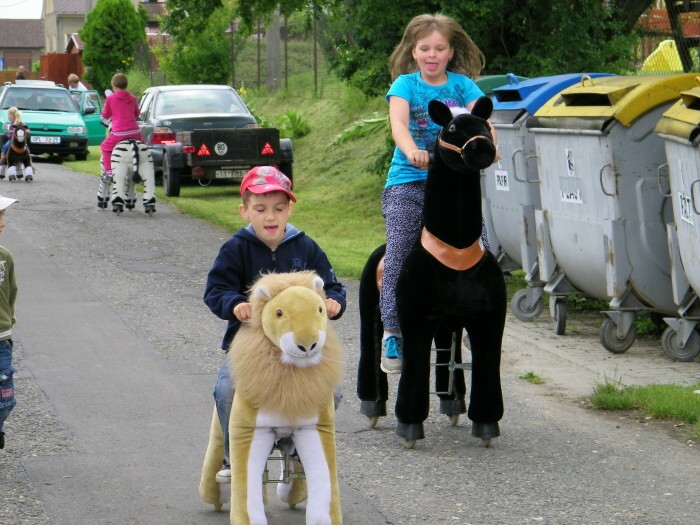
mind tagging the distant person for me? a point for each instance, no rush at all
(122, 109)
(21, 72)
(8, 294)
(75, 83)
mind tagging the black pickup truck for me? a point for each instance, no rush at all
(206, 132)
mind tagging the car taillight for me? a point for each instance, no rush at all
(163, 136)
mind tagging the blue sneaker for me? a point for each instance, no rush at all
(392, 361)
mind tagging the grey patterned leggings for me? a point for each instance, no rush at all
(402, 208)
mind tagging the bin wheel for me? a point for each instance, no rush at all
(670, 346)
(372, 420)
(454, 419)
(409, 443)
(521, 310)
(611, 342)
(560, 317)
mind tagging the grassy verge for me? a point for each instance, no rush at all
(667, 402)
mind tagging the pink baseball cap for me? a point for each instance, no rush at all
(266, 179)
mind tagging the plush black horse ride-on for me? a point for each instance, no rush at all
(447, 282)
(18, 162)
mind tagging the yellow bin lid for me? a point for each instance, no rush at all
(624, 98)
(683, 118)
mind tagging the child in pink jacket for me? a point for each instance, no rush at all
(122, 108)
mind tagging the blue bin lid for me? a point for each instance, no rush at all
(533, 93)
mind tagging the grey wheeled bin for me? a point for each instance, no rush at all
(602, 227)
(511, 186)
(680, 129)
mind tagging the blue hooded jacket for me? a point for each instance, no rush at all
(244, 257)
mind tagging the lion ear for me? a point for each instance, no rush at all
(261, 291)
(317, 284)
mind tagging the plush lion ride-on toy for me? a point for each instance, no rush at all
(18, 162)
(286, 363)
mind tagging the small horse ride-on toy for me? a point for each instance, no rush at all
(18, 162)
(448, 282)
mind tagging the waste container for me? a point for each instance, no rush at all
(510, 188)
(680, 129)
(488, 83)
(602, 226)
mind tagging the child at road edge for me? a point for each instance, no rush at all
(435, 59)
(8, 294)
(268, 244)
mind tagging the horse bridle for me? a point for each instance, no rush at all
(457, 149)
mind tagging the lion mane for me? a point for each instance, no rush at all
(261, 376)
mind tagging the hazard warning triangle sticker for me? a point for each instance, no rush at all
(267, 149)
(203, 151)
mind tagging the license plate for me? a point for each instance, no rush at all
(229, 174)
(42, 139)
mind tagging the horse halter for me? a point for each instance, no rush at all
(457, 149)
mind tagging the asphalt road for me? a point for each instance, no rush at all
(118, 356)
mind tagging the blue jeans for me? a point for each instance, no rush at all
(6, 146)
(223, 398)
(7, 386)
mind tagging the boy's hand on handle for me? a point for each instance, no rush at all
(332, 307)
(243, 312)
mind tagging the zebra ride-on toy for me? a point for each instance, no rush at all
(131, 164)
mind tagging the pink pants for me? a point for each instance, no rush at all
(108, 145)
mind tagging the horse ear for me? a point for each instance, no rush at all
(439, 112)
(483, 107)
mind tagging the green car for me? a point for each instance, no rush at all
(55, 122)
(93, 120)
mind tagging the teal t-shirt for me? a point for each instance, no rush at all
(458, 91)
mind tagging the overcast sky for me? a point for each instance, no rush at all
(20, 8)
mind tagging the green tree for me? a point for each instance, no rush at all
(201, 57)
(184, 18)
(111, 32)
(529, 37)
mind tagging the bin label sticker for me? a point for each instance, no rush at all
(571, 196)
(502, 180)
(570, 168)
(685, 207)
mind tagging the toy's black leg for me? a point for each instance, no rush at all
(372, 384)
(486, 401)
(413, 398)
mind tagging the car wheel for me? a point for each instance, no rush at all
(286, 168)
(171, 179)
(81, 156)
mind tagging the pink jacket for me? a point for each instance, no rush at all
(122, 108)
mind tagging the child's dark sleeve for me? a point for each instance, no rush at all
(224, 287)
(334, 289)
